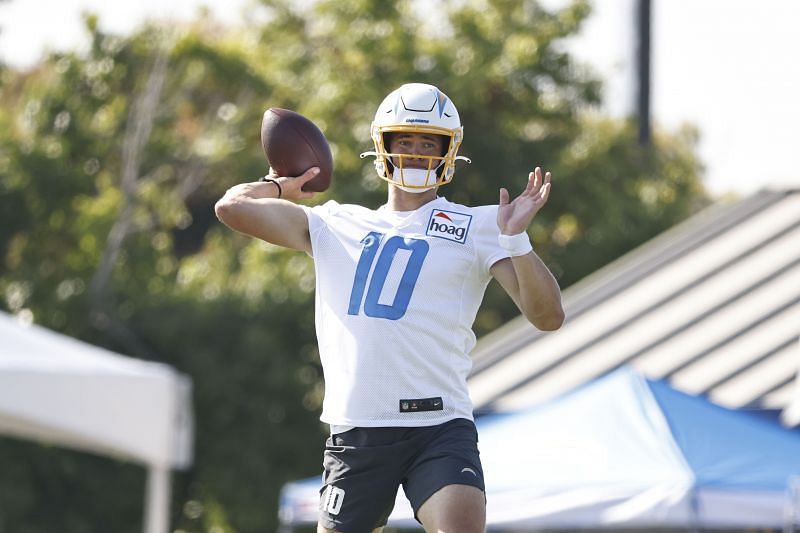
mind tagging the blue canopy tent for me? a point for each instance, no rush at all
(622, 451)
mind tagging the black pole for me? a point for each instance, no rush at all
(643, 69)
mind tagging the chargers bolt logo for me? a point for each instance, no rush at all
(449, 225)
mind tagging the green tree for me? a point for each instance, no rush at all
(109, 172)
(110, 163)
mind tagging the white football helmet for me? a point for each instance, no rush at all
(416, 108)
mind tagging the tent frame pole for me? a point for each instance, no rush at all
(157, 498)
(791, 511)
(694, 526)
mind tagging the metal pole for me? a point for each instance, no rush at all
(643, 69)
(694, 526)
(791, 511)
(157, 498)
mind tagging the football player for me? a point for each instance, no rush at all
(397, 291)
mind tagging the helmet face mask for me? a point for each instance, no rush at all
(416, 108)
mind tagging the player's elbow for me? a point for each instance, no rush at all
(219, 208)
(226, 210)
(550, 321)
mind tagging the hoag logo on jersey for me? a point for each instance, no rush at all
(449, 225)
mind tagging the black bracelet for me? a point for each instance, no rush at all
(273, 180)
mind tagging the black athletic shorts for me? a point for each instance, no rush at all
(365, 466)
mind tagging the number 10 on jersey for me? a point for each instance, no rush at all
(372, 244)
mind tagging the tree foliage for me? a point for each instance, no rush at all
(111, 160)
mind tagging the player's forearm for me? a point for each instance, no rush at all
(237, 208)
(249, 191)
(539, 294)
(254, 209)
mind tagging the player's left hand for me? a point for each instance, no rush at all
(516, 216)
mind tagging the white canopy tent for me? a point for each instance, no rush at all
(61, 391)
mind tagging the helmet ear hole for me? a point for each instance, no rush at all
(386, 137)
(445, 144)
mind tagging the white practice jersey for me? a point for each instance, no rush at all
(396, 296)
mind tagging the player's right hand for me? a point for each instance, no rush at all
(292, 187)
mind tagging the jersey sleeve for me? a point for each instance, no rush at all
(318, 217)
(487, 243)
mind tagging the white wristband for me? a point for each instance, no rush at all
(516, 245)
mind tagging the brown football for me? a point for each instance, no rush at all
(293, 144)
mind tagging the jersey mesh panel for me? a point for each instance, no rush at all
(421, 354)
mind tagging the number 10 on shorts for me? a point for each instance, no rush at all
(332, 501)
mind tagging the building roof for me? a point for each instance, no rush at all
(712, 306)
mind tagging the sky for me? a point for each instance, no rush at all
(730, 68)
